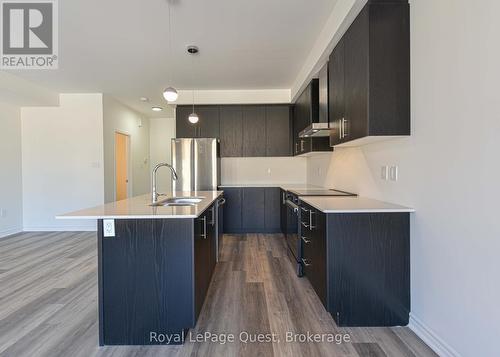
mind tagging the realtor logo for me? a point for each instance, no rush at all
(29, 34)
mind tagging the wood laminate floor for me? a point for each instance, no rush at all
(48, 304)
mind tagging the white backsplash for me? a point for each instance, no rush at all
(260, 170)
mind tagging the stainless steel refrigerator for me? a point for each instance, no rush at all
(197, 163)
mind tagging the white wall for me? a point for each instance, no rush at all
(161, 130)
(118, 117)
(62, 153)
(11, 211)
(259, 170)
(449, 172)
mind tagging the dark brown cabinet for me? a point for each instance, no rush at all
(313, 236)
(251, 209)
(244, 130)
(254, 131)
(336, 93)
(204, 255)
(358, 264)
(278, 130)
(232, 209)
(231, 131)
(207, 126)
(374, 98)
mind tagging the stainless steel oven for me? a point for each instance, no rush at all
(292, 230)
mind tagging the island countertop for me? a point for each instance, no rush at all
(139, 207)
(329, 204)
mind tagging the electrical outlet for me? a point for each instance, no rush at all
(384, 173)
(269, 171)
(3, 213)
(108, 227)
(394, 173)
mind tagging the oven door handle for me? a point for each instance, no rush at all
(292, 206)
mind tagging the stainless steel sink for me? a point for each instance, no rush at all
(178, 201)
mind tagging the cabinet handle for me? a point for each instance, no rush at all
(305, 240)
(204, 235)
(311, 227)
(283, 200)
(305, 262)
(345, 132)
(296, 147)
(340, 128)
(301, 145)
(305, 225)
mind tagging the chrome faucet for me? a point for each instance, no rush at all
(154, 194)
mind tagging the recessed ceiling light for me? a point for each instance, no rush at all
(156, 109)
(144, 99)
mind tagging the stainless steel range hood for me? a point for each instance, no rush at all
(315, 130)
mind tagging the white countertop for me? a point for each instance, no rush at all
(285, 186)
(139, 208)
(332, 204)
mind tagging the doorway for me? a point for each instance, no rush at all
(122, 166)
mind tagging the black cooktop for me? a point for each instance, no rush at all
(320, 192)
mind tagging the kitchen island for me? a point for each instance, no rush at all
(155, 264)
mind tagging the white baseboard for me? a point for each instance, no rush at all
(10, 231)
(432, 340)
(60, 229)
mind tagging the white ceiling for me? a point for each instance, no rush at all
(120, 47)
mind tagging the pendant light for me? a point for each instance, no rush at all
(170, 94)
(193, 117)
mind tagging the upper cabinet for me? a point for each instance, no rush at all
(244, 130)
(278, 130)
(207, 126)
(369, 82)
(231, 131)
(254, 131)
(306, 112)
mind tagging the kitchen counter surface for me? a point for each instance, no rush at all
(284, 186)
(329, 204)
(139, 208)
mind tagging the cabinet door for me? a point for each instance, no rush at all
(254, 131)
(272, 209)
(336, 92)
(253, 203)
(318, 234)
(356, 47)
(278, 130)
(283, 211)
(201, 262)
(232, 210)
(231, 131)
(209, 121)
(183, 128)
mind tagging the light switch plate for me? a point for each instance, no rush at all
(384, 173)
(394, 173)
(108, 227)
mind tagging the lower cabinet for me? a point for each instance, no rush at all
(204, 255)
(313, 238)
(252, 209)
(359, 265)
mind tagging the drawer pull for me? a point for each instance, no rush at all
(305, 262)
(305, 240)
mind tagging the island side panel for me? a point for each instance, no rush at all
(369, 268)
(145, 281)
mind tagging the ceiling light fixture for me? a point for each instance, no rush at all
(170, 93)
(193, 117)
(156, 109)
